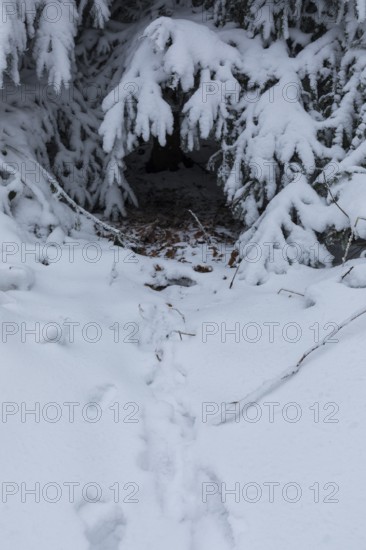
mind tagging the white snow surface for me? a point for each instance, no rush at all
(169, 363)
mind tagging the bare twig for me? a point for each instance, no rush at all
(290, 291)
(180, 332)
(347, 216)
(207, 236)
(353, 231)
(335, 201)
(347, 273)
(235, 274)
(177, 310)
(350, 240)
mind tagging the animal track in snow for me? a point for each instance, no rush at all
(104, 525)
(104, 395)
(16, 278)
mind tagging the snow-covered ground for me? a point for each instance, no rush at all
(132, 442)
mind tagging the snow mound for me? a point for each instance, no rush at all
(357, 277)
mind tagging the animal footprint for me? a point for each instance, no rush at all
(16, 278)
(104, 395)
(104, 525)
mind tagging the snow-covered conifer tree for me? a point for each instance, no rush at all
(274, 93)
(278, 86)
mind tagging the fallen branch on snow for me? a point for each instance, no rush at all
(271, 385)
